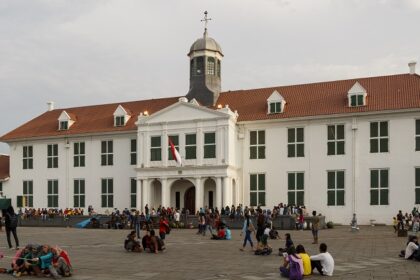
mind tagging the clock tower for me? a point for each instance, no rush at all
(205, 69)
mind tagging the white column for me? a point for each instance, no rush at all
(199, 194)
(166, 192)
(139, 195)
(219, 193)
(227, 190)
(146, 194)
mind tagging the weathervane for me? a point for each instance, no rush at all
(205, 21)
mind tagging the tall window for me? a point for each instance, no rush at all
(335, 141)
(257, 189)
(257, 144)
(107, 193)
(133, 193)
(79, 154)
(107, 155)
(335, 188)
(295, 146)
(175, 141)
(155, 148)
(417, 135)
(379, 137)
(417, 188)
(28, 157)
(133, 152)
(210, 66)
(190, 146)
(199, 64)
(53, 193)
(52, 159)
(210, 145)
(1, 186)
(28, 194)
(296, 189)
(219, 68)
(119, 120)
(379, 187)
(79, 193)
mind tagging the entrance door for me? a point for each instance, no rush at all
(210, 199)
(189, 200)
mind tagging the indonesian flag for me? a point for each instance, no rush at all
(174, 152)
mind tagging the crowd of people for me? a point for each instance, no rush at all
(48, 213)
(41, 261)
(407, 221)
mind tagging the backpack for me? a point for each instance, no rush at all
(294, 270)
(13, 220)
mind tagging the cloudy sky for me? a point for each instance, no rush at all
(83, 52)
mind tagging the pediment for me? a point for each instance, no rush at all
(120, 111)
(275, 97)
(64, 116)
(183, 111)
(357, 88)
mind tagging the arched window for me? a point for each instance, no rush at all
(210, 66)
(199, 66)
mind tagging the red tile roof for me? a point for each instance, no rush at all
(326, 98)
(4, 167)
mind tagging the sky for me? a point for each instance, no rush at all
(84, 52)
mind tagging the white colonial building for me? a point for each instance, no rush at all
(340, 147)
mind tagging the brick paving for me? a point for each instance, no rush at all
(371, 253)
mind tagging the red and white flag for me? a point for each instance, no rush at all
(174, 152)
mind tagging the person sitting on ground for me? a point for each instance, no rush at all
(131, 243)
(228, 234)
(156, 244)
(221, 234)
(288, 244)
(274, 234)
(145, 241)
(44, 260)
(293, 266)
(411, 249)
(306, 260)
(323, 262)
(61, 262)
(263, 249)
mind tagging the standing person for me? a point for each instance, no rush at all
(137, 223)
(315, 227)
(260, 224)
(163, 227)
(248, 228)
(177, 217)
(323, 262)
(11, 223)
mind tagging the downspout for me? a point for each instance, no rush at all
(353, 160)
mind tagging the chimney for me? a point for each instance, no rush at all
(50, 105)
(412, 66)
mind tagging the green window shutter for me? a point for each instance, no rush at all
(291, 197)
(253, 182)
(253, 152)
(340, 147)
(82, 186)
(50, 191)
(291, 135)
(261, 137)
(384, 178)
(261, 198)
(300, 198)
(340, 131)
(331, 132)
(291, 150)
(417, 177)
(278, 107)
(299, 134)
(133, 201)
(331, 198)
(417, 199)
(374, 179)
(261, 152)
(384, 145)
(374, 129)
(103, 201)
(133, 186)
(340, 179)
(209, 138)
(331, 148)
(19, 201)
(272, 107)
(253, 198)
(103, 186)
(331, 180)
(360, 100)
(253, 137)
(374, 145)
(300, 183)
(191, 152)
(76, 201)
(384, 196)
(261, 182)
(82, 201)
(300, 150)
(353, 100)
(418, 143)
(291, 185)
(374, 200)
(340, 197)
(383, 128)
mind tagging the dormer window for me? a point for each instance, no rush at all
(121, 116)
(275, 103)
(66, 120)
(119, 120)
(64, 125)
(357, 95)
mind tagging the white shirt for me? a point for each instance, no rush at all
(327, 262)
(267, 231)
(177, 216)
(411, 247)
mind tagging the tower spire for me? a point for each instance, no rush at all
(206, 20)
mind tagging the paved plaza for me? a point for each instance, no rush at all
(371, 253)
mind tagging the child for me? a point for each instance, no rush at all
(274, 234)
